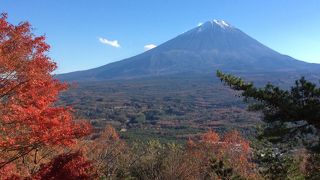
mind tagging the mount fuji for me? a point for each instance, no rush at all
(201, 51)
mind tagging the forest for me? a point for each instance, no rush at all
(46, 134)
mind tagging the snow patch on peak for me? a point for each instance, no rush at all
(221, 23)
(209, 25)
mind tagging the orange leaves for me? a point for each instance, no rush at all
(232, 148)
(28, 92)
(109, 134)
(237, 149)
(29, 118)
(210, 137)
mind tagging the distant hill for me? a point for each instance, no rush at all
(202, 50)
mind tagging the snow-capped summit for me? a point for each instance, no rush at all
(221, 23)
(202, 50)
(213, 24)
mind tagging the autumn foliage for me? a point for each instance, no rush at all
(69, 166)
(41, 140)
(232, 149)
(107, 152)
(29, 118)
(209, 156)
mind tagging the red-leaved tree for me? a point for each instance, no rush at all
(69, 166)
(29, 118)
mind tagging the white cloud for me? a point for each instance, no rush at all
(200, 23)
(149, 46)
(113, 43)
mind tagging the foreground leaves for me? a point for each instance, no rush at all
(29, 119)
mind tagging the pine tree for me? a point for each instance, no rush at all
(295, 111)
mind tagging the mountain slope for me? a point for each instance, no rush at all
(202, 50)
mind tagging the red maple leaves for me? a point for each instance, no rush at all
(29, 118)
(34, 130)
(70, 166)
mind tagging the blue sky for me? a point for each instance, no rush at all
(80, 31)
